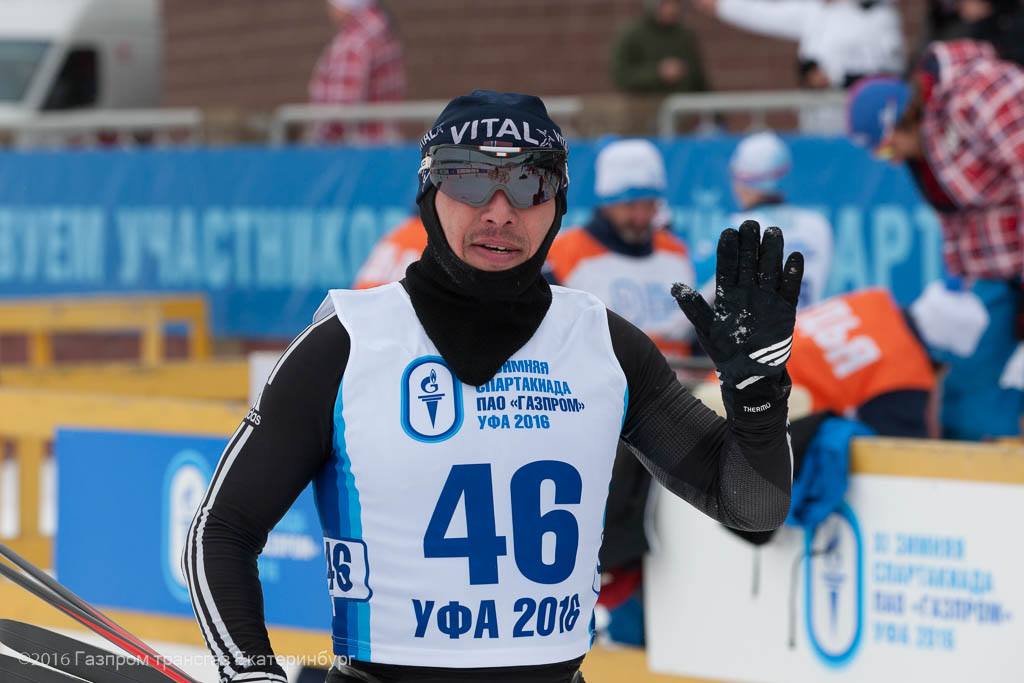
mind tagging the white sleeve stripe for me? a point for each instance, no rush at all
(748, 381)
(775, 354)
(187, 561)
(211, 624)
(782, 359)
(760, 352)
(220, 465)
(200, 569)
(789, 445)
(200, 610)
(291, 347)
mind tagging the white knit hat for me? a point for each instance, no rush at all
(950, 318)
(761, 161)
(628, 170)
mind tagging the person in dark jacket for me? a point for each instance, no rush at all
(657, 54)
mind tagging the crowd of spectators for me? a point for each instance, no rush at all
(839, 42)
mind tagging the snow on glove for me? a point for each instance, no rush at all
(749, 333)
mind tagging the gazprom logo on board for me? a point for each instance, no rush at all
(185, 482)
(834, 592)
(431, 400)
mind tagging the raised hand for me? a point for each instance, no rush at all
(749, 333)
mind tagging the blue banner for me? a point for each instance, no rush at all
(125, 502)
(265, 232)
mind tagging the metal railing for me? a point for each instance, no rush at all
(189, 125)
(103, 128)
(562, 109)
(706, 106)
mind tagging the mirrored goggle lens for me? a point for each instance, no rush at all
(473, 178)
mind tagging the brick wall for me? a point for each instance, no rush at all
(256, 54)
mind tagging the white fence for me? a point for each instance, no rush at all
(819, 111)
(562, 109)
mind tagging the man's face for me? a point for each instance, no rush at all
(632, 220)
(496, 236)
(669, 11)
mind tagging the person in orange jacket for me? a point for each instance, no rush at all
(859, 356)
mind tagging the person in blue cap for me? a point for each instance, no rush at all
(459, 427)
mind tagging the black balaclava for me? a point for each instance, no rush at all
(478, 319)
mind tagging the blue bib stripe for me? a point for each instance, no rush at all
(340, 494)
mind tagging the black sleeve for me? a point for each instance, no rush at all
(737, 471)
(277, 450)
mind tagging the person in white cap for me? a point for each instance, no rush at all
(758, 167)
(623, 254)
(363, 63)
(627, 258)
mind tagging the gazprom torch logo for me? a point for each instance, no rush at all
(431, 400)
(431, 395)
(834, 590)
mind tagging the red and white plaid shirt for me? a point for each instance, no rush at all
(973, 130)
(362, 64)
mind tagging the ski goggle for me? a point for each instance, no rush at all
(472, 174)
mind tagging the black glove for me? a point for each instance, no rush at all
(749, 334)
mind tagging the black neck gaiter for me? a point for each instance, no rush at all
(477, 319)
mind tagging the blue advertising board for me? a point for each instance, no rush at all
(265, 232)
(125, 502)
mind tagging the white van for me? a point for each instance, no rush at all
(59, 55)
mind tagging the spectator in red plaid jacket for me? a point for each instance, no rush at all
(362, 64)
(964, 128)
(962, 136)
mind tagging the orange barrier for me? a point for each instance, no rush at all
(219, 380)
(40, 319)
